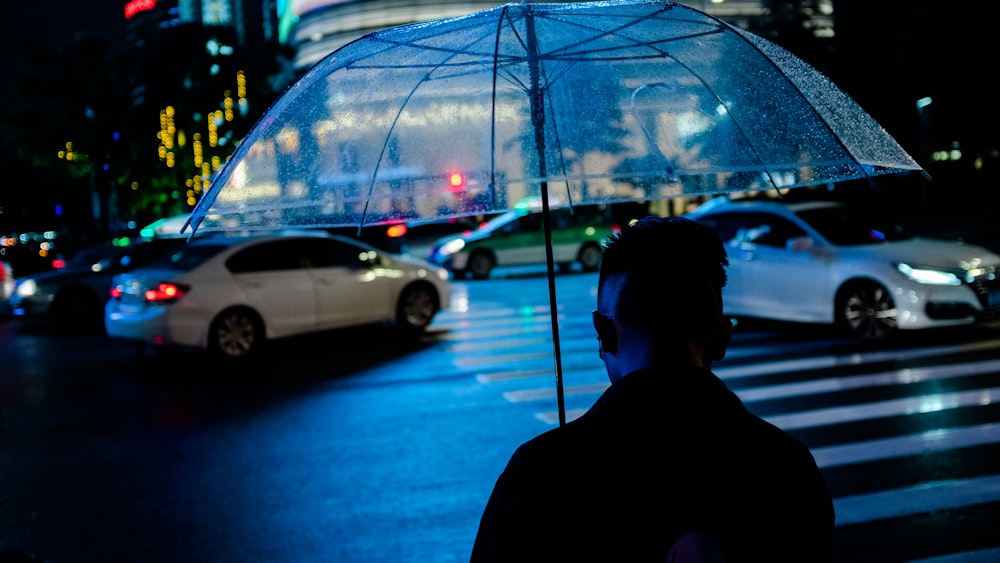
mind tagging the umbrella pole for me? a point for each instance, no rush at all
(538, 121)
(553, 311)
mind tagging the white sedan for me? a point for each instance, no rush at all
(229, 294)
(825, 262)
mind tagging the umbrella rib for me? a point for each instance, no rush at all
(565, 52)
(493, 108)
(514, 61)
(559, 152)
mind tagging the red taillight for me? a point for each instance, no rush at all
(165, 292)
(396, 231)
(116, 292)
(58, 263)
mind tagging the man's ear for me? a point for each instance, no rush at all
(606, 333)
(721, 337)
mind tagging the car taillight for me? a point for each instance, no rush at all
(165, 292)
(116, 292)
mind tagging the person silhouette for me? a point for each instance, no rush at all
(668, 463)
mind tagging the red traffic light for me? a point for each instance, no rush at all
(456, 181)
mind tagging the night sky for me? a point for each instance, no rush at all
(35, 24)
(59, 20)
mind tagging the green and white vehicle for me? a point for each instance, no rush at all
(517, 238)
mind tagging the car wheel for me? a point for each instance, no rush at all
(78, 308)
(417, 306)
(590, 257)
(236, 333)
(481, 264)
(866, 310)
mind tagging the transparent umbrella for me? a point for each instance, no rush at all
(571, 103)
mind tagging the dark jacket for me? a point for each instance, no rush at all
(659, 454)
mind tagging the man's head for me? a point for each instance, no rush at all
(660, 289)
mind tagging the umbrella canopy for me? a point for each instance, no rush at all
(603, 101)
(575, 103)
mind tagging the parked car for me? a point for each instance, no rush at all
(827, 262)
(517, 237)
(230, 294)
(74, 295)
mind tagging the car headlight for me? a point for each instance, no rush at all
(27, 288)
(452, 246)
(928, 276)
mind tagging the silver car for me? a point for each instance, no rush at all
(826, 262)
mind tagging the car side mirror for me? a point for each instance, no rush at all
(800, 244)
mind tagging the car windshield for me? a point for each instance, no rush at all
(500, 220)
(847, 226)
(103, 253)
(187, 257)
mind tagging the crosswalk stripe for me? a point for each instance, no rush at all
(910, 405)
(902, 446)
(523, 395)
(855, 412)
(991, 555)
(918, 499)
(843, 360)
(901, 376)
(499, 344)
(512, 358)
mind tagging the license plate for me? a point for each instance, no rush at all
(130, 308)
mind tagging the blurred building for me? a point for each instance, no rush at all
(315, 28)
(312, 29)
(254, 21)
